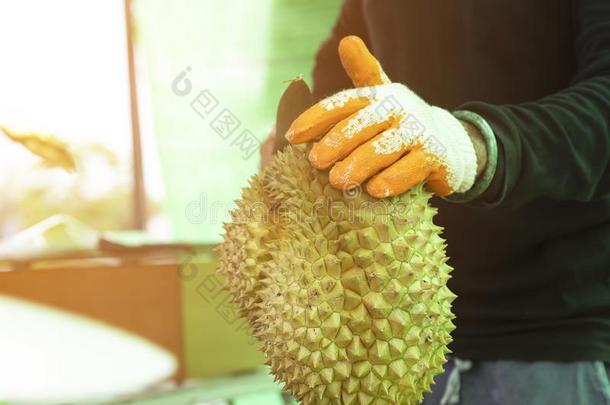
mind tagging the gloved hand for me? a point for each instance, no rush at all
(384, 132)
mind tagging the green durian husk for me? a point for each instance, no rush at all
(347, 294)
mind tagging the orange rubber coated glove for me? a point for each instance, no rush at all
(384, 133)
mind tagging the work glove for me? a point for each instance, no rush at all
(384, 133)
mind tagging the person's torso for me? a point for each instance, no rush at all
(517, 270)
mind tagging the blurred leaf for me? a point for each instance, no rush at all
(52, 151)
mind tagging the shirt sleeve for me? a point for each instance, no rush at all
(558, 147)
(328, 74)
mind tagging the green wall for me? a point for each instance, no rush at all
(240, 53)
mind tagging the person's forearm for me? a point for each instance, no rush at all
(479, 145)
(557, 146)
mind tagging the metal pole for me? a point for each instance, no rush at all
(139, 200)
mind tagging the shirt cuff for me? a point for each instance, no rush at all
(483, 182)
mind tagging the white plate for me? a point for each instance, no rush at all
(50, 356)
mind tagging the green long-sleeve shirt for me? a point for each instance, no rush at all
(532, 253)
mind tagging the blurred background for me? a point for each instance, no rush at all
(157, 109)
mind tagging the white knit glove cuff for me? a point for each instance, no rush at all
(459, 154)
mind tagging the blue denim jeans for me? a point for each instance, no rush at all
(521, 383)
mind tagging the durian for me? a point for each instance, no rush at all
(346, 293)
